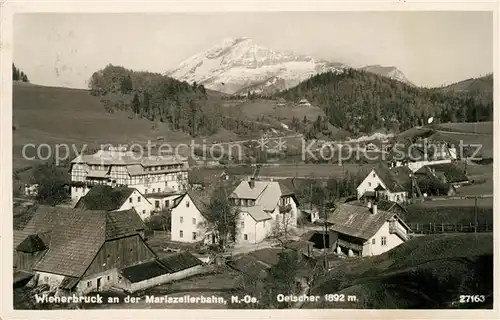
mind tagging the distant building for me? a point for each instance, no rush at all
(420, 153)
(394, 184)
(31, 190)
(115, 199)
(446, 173)
(163, 200)
(118, 167)
(309, 212)
(304, 103)
(367, 231)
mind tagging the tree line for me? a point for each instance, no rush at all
(357, 100)
(157, 97)
(18, 75)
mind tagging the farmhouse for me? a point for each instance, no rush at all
(79, 250)
(119, 167)
(393, 184)
(266, 207)
(188, 221)
(107, 198)
(419, 154)
(309, 212)
(446, 173)
(367, 231)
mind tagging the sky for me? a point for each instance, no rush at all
(430, 48)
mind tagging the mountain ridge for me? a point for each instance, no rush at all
(239, 66)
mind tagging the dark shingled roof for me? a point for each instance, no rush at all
(250, 266)
(384, 205)
(123, 223)
(144, 271)
(68, 283)
(358, 221)
(180, 261)
(451, 172)
(104, 198)
(74, 236)
(31, 244)
(396, 179)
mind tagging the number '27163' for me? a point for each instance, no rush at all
(471, 298)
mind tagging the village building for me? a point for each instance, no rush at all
(304, 103)
(83, 251)
(446, 173)
(188, 223)
(163, 200)
(393, 184)
(102, 197)
(309, 212)
(366, 230)
(119, 167)
(266, 208)
(416, 155)
(31, 190)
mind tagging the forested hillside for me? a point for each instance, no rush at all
(360, 101)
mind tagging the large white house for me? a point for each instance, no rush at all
(266, 208)
(366, 230)
(393, 184)
(188, 223)
(119, 167)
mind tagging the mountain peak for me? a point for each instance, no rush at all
(239, 65)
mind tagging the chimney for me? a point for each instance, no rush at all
(251, 183)
(374, 208)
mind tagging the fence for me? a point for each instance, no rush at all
(432, 228)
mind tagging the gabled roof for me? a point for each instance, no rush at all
(265, 193)
(32, 243)
(76, 235)
(358, 221)
(201, 200)
(256, 213)
(104, 198)
(395, 179)
(451, 172)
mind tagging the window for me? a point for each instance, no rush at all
(89, 284)
(138, 199)
(194, 221)
(181, 234)
(187, 203)
(181, 219)
(383, 241)
(373, 241)
(157, 203)
(242, 223)
(167, 203)
(107, 278)
(143, 211)
(145, 190)
(374, 175)
(130, 200)
(369, 184)
(245, 236)
(194, 235)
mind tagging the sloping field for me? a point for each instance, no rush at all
(426, 272)
(49, 115)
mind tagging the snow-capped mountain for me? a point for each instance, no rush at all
(388, 71)
(239, 65)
